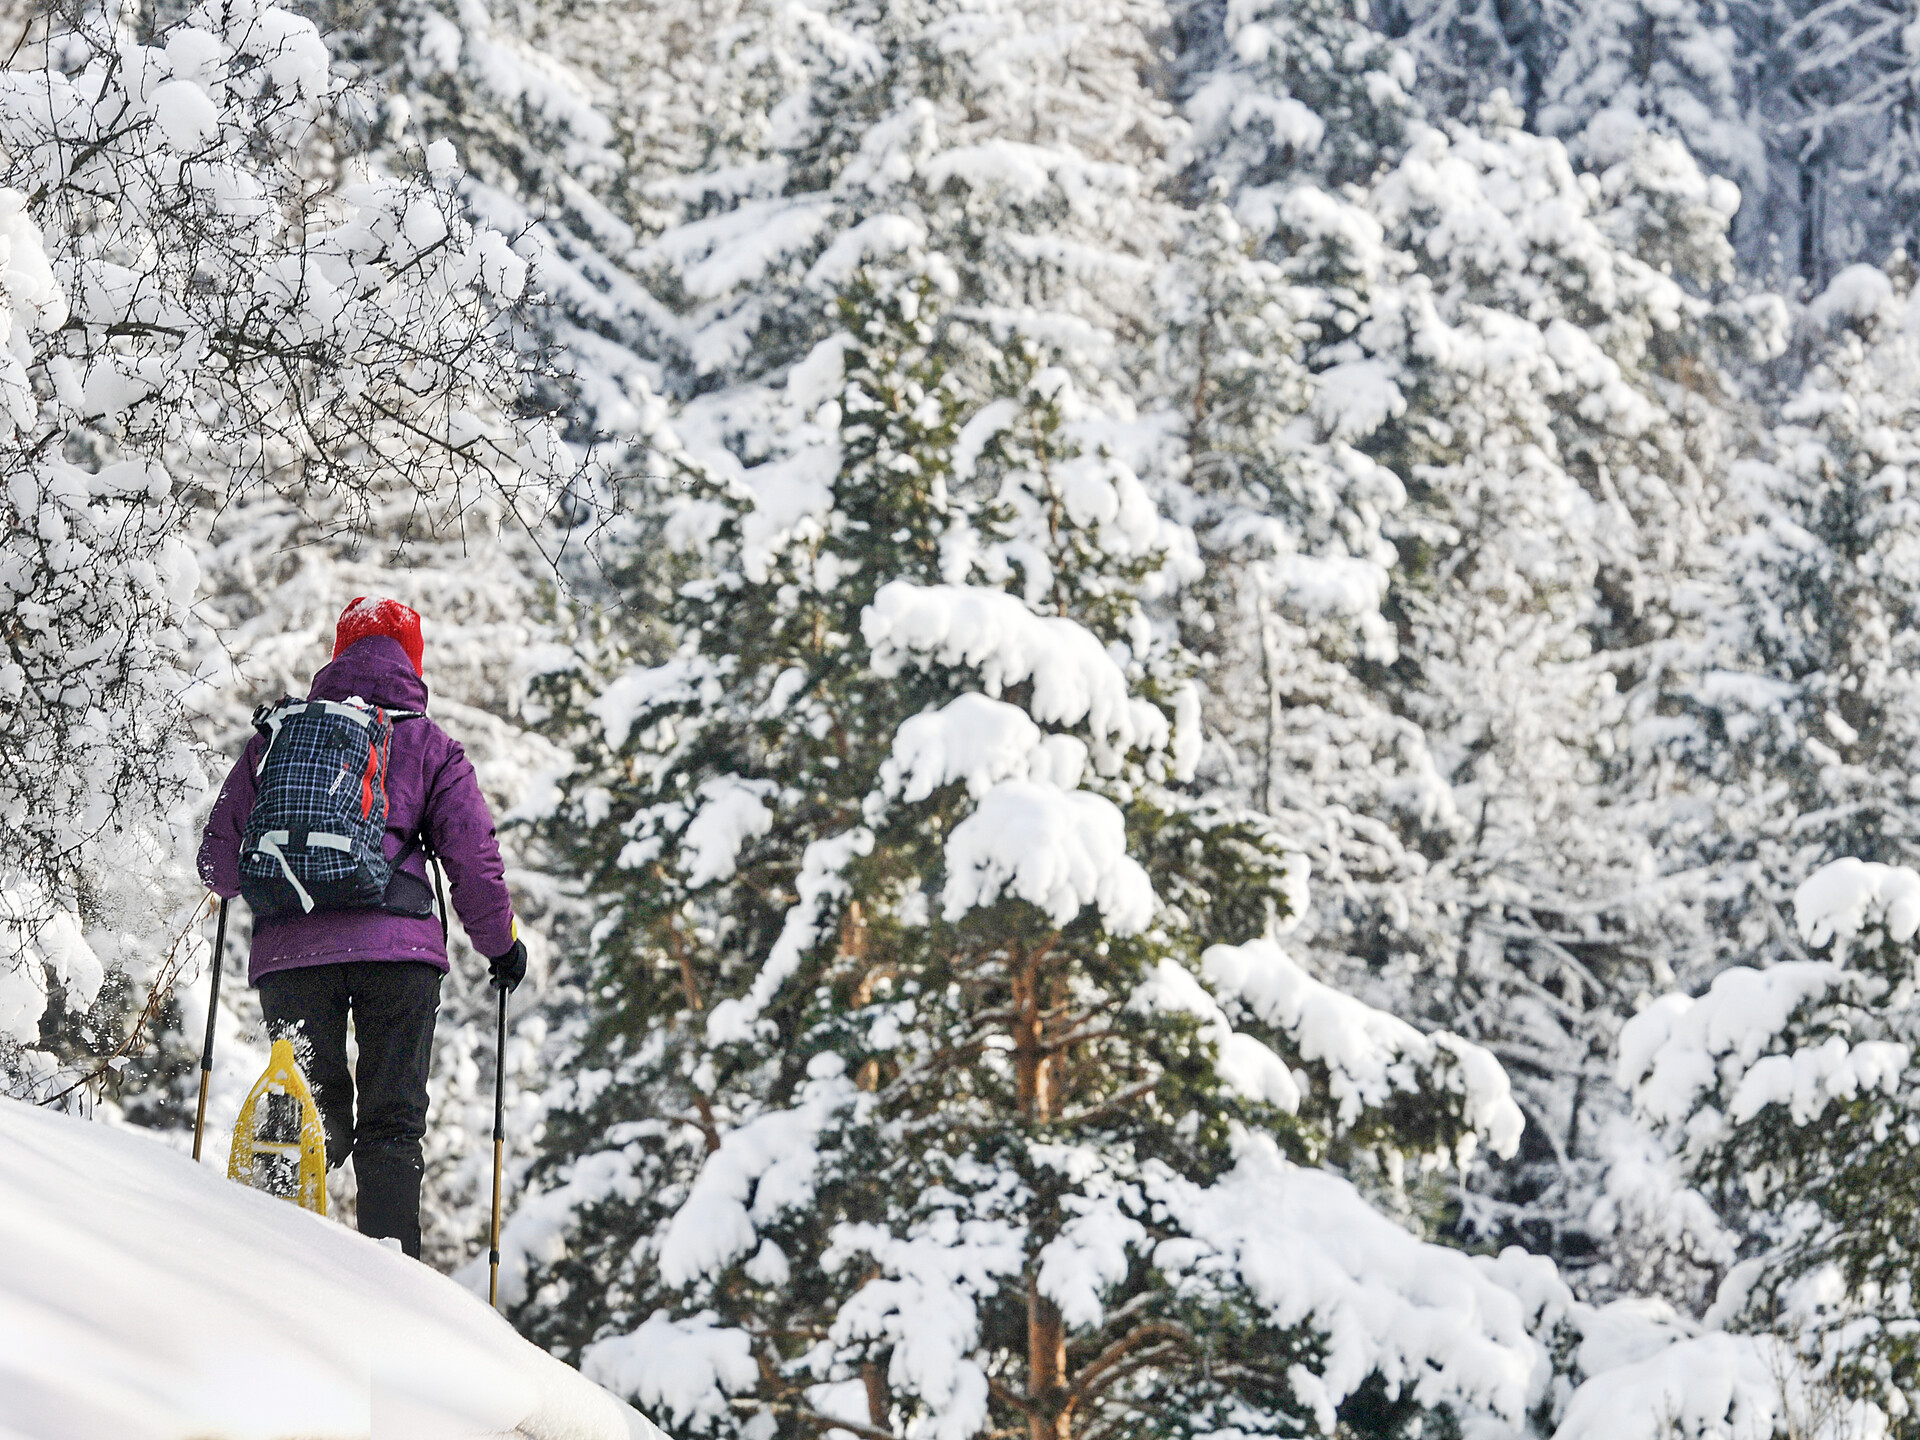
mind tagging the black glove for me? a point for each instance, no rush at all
(504, 972)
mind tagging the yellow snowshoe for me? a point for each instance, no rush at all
(279, 1145)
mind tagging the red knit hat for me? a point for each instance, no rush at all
(374, 616)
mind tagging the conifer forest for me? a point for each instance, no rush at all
(1205, 713)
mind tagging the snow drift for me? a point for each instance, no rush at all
(145, 1297)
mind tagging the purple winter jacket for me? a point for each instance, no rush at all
(428, 776)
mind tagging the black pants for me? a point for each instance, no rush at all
(393, 1004)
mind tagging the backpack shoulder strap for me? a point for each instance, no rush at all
(267, 720)
(264, 715)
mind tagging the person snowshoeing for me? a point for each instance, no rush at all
(326, 948)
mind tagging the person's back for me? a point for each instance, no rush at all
(381, 966)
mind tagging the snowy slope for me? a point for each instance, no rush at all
(147, 1298)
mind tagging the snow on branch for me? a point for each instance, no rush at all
(1635, 1369)
(1060, 850)
(644, 689)
(981, 742)
(1370, 1055)
(762, 1169)
(1736, 1045)
(924, 1305)
(1843, 900)
(1679, 1050)
(1074, 679)
(732, 812)
(1243, 1062)
(1741, 1386)
(1426, 1319)
(680, 1369)
(820, 882)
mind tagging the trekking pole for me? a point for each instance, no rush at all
(499, 1143)
(213, 1012)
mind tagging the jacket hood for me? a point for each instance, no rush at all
(375, 669)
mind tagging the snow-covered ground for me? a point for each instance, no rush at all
(144, 1297)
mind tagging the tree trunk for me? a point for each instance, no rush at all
(1050, 1416)
(1270, 677)
(879, 1402)
(1030, 1061)
(1049, 1412)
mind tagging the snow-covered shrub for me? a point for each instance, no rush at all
(226, 298)
(247, 298)
(94, 585)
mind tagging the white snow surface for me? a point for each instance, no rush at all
(145, 1297)
(1646, 1192)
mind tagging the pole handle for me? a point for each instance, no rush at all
(213, 1014)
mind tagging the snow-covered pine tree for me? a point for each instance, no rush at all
(947, 1071)
(1849, 141)
(235, 311)
(1805, 104)
(1464, 50)
(1797, 714)
(1289, 521)
(1785, 1089)
(772, 150)
(1631, 66)
(1508, 345)
(1289, 514)
(1274, 91)
(684, 187)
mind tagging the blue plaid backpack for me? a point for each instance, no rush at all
(314, 837)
